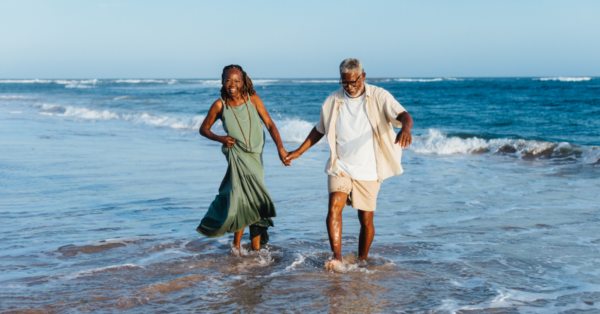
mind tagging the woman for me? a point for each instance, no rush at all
(243, 199)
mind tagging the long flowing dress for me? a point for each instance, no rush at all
(243, 199)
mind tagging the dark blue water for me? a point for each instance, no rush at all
(554, 109)
(103, 182)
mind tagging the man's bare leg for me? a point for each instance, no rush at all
(256, 243)
(337, 201)
(367, 232)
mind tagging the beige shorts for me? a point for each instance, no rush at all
(361, 194)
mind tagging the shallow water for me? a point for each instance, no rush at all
(104, 182)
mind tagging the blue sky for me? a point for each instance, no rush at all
(284, 39)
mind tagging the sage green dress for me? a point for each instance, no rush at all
(243, 199)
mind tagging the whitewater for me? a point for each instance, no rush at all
(103, 182)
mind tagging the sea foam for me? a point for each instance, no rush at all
(295, 130)
(565, 79)
(184, 123)
(437, 143)
(292, 130)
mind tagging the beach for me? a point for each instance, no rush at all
(104, 181)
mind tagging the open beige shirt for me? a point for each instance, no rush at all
(382, 110)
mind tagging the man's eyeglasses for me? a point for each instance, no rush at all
(353, 83)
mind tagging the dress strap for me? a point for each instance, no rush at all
(253, 105)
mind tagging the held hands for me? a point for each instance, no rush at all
(291, 156)
(227, 141)
(404, 139)
(282, 156)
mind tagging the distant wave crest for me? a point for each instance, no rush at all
(89, 83)
(438, 143)
(565, 79)
(315, 81)
(419, 80)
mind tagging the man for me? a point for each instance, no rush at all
(365, 150)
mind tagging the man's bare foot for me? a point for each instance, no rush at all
(361, 263)
(333, 264)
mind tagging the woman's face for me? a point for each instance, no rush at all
(233, 82)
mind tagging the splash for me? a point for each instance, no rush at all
(437, 143)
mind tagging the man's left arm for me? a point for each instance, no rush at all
(404, 138)
(398, 117)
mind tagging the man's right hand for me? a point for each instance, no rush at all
(292, 155)
(227, 141)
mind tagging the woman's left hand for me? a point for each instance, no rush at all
(282, 154)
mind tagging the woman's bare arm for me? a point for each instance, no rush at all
(213, 114)
(270, 125)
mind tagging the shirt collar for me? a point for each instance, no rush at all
(368, 89)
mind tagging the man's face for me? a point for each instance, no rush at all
(353, 83)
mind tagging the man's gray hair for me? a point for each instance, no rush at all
(350, 65)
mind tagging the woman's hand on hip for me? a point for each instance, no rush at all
(227, 141)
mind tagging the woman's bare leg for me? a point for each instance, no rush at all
(237, 238)
(256, 243)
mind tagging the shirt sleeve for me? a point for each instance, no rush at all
(321, 125)
(392, 108)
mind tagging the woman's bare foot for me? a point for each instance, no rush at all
(333, 264)
(236, 250)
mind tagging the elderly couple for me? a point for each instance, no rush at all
(357, 120)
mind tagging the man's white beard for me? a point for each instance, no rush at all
(357, 93)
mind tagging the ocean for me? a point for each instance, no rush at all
(103, 183)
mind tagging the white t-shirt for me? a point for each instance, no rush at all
(354, 137)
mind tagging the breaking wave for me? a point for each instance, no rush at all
(292, 130)
(295, 130)
(191, 123)
(437, 143)
(565, 79)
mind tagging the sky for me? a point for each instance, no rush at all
(298, 39)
